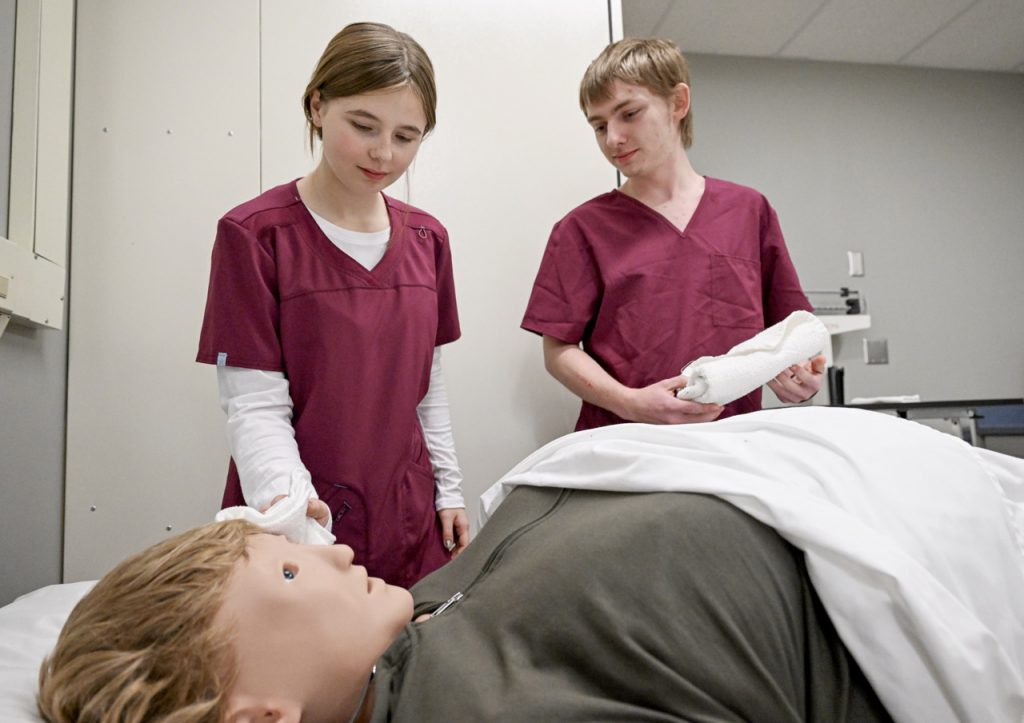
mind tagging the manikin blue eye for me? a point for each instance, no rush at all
(288, 574)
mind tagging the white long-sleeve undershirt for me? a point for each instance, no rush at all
(262, 442)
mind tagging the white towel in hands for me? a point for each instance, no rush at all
(288, 516)
(749, 364)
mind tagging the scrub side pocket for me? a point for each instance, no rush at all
(736, 292)
(419, 533)
(348, 515)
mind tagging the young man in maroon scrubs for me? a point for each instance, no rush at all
(670, 267)
(328, 302)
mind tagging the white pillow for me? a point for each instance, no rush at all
(29, 627)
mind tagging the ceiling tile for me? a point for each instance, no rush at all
(733, 27)
(970, 34)
(871, 31)
(989, 36)
(641, 18)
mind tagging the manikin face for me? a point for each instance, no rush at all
(308, 627)
(638, 131)
(370, 139)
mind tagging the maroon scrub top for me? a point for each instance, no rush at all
(645, 298)
(356, 346)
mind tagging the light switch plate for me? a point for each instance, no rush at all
(855, 260)
(876, 351)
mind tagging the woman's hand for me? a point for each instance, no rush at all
(799, 382)
(455, 529)
(317, 509)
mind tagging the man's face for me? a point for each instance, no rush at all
(636, 130)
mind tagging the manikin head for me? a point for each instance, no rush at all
(307, 626)
(223, 623)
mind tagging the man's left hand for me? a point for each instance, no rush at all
(799, 382)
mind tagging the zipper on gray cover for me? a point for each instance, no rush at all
(497, 552)
(447, 604)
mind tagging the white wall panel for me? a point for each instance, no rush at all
(511, 154)
(166, 140)
(160, 87)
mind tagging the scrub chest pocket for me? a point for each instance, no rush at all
(736, 292)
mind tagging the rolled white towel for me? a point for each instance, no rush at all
(749, 364)
(288, 516)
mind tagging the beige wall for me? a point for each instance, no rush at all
(33, 359)
(167, 137)
(920, 169)
(178, 120)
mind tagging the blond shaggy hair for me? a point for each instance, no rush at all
(653, 63)
(141, 645)
(365, 57)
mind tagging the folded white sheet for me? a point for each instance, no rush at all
(895, 399)
(29, 627)
(749, 364)
(287, 517)
(912, 537)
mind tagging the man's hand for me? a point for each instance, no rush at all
(799, 382)
(657, 404)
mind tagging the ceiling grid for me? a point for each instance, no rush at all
(985, 35)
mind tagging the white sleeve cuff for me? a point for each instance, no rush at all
(259, 432)
(435, 419)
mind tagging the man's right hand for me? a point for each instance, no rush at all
(657, 404)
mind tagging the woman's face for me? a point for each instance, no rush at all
(636, 130)
(309, 623)
(370, 139)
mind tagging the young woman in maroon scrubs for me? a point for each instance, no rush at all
(670, 267)
(327, 306)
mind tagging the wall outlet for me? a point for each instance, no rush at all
(876, 351)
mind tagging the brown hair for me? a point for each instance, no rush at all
(656, 64)
(364, 57)
(141, 645)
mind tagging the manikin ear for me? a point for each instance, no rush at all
(248, 709)
(680, 101)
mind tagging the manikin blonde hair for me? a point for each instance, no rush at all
(364, 57)
(141, 646)
(655, 64)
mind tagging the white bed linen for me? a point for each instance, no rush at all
(29, 627)
(913, 541)
(912, 537)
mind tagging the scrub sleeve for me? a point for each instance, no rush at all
(646, 298)
(356, 346)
